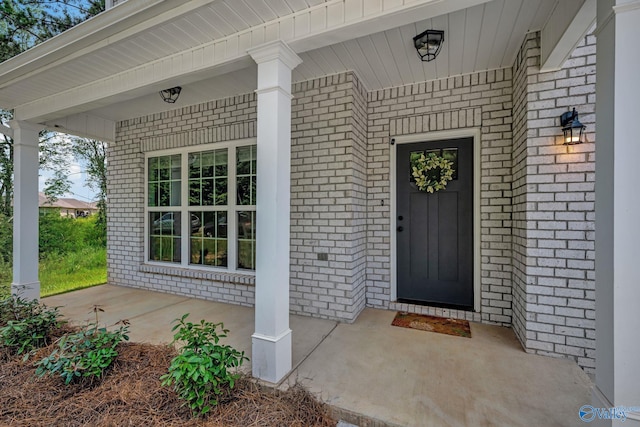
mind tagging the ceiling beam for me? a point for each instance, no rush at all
(568, 24)
(85, 126)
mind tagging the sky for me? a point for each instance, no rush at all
(78, 178)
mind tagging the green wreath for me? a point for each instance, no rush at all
(432, 172)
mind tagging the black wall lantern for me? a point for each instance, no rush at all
(170, 95)
(428, 44)
(572, 128)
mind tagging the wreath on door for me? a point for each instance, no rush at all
(432, 172)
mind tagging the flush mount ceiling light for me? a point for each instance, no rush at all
(572, 128)
(170, 95)
(428, 44)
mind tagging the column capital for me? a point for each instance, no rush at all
(24, 125)
(275, 50)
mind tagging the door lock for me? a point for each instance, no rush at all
(400, 228)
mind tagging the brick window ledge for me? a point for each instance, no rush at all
(214, 276)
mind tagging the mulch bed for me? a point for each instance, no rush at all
(130, 395)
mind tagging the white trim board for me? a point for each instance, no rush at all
(439, 136)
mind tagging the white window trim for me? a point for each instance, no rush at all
(232, 208)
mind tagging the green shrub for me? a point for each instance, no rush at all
(26, 325)
(201, 371)
(87, 353)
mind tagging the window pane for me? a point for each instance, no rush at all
(246, 174)
(194, 165)
(194, 192)
(221, 191)
(246, 240)
(164, 181)
(208, 178)
(164, 236)
(207, 245)
(244, 190)
(153, 194)
(451, 154)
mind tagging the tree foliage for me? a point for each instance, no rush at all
(24, 24)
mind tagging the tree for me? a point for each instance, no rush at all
(24, 24)
(93, 154)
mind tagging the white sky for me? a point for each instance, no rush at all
(78, 178)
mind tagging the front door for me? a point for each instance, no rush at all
(435, 230)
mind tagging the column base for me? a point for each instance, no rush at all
(271, 356)
(26, 291)
(599, 414)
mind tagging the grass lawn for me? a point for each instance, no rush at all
(64, 273)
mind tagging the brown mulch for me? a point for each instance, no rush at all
(130, 394)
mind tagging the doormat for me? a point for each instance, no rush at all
(442, 325)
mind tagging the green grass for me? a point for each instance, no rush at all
(64, 273)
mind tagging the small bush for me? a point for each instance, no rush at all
(26, 325)
(87, 353)
(201, 371)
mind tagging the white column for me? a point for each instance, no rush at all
(25, 210)
(617, 210)
(271, 351)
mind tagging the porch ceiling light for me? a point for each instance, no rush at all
(572, 128)
(170, 95)
(428, 44)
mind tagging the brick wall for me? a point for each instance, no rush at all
(211, 122)
(554, 308)
(536, 195)
(479, 100)
(328, 198)
(328, 192)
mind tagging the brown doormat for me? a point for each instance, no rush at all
(432, 323)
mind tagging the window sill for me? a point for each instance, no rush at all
(214, 276)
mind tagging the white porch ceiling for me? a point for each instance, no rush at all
(483, 37)
(479, 35)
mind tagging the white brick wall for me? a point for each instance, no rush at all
(554, 307)
(536, 195)
(328, 192)
(479, 100)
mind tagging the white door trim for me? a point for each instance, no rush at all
(438, 136)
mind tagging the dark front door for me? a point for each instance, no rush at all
(435, 230)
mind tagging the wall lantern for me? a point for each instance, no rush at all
(428, 44)
(572, 128)
(170, 95)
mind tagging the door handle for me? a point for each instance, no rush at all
(400, 228)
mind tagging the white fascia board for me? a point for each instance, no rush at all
(568, 24)
(318, 26)
(105, 29)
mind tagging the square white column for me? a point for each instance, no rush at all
(617, 207)
(271, 350)
(25, 210)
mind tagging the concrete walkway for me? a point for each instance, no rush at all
(394, 376)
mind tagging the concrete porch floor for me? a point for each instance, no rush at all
(395, 376)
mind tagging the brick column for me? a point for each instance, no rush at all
(271, 351)
(25, 210)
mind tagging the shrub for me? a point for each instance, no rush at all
(201, 371)
(26, 325)
(87, 353)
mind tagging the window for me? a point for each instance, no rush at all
(197, 184)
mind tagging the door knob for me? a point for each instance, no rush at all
(400, 228)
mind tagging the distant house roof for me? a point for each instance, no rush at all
(66, 203)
